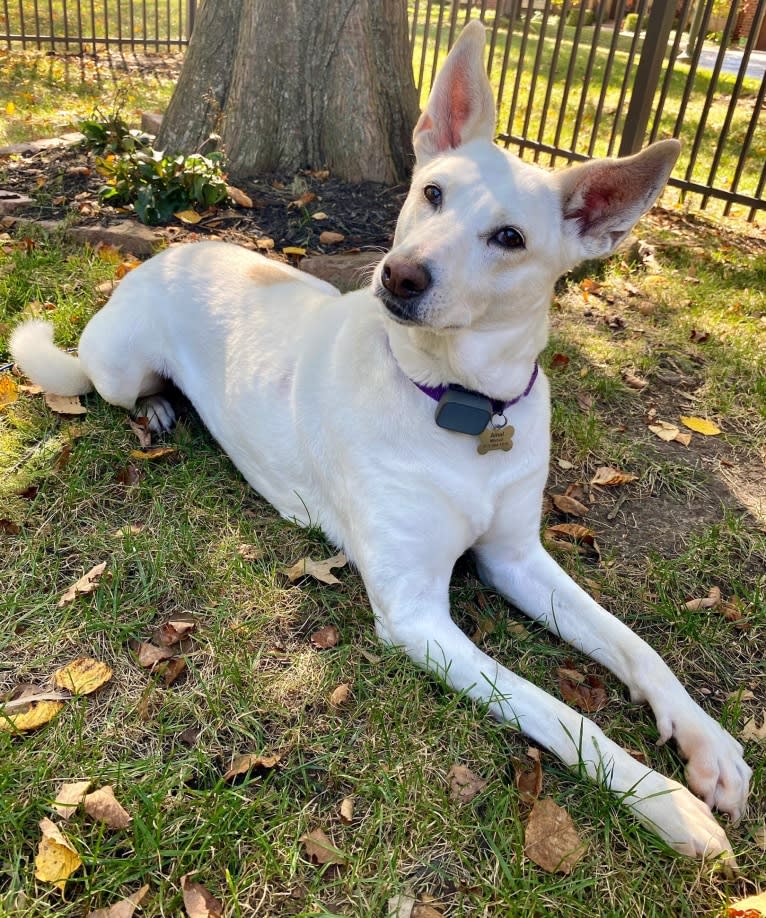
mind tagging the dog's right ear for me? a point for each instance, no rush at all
(461, 106)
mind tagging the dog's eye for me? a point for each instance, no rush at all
(508, 238)
(433, 194)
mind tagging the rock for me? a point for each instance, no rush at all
(10, 200)
(128, 235)
(345, 271)
(151, 122)
(36, 146)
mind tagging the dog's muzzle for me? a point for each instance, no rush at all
(403, 282)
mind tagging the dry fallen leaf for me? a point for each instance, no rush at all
(423, 910)
(633, 380)
(751, 732)
(198, 901)
(464, 784)
(69, 797)
(249, 552)
(400, 906)
(550, 838)
(759, 836)
(668, 432)
(171, 670)
(573, 537)
(56, 858)
(319, 570)
(86, 584)
(319, 848)
(9, 390)
(239, 197)
(606, 476)
(149, 655)
(297, 250)
(156, 452)
(340, 695)
(175, 629)
(265, 242)
(82, 676)
(559, 361)
(711, 601)
(347, 810)
(700, 425)
(750, 907)
(306, 198)
(570, 505)
(140, 427)
(530, 783)
(38, 714)
(104, 806)
(65, 404)
(328, 237)
(132, 529)
(325, 637)
(122, 909)
(243, 763)
(188, 216)
(586, 692)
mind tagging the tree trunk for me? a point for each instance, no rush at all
(196, 108)
(296, 83)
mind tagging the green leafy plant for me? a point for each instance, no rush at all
(631, 22)
(158, 185)
(108, 132)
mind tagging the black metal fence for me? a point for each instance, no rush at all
(574, 78)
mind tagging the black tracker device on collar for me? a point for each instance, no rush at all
(463, 411)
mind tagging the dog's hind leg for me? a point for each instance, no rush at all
(529, 578)
(413, 614)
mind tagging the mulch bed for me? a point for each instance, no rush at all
(63, 182)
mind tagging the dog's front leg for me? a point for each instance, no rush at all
(528, 577)
(414, 615)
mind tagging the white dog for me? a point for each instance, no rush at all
(411, 422)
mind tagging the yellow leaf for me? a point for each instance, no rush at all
(39, 713)
(293, 250)
(750, 907)
(82, 676)
(700, 425)
(10, 108)
(9, 391)
(56, 858)
(188, 216)
(157, 452)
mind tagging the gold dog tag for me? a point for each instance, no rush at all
(495, 438)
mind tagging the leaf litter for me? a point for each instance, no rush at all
(320, 849)
(551, 839)
(122, 909)
(319, 570)
(199, 902)
(57, 859)
(88, 583)
(464, 784)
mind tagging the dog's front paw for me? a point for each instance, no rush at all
(715, 768)
(683, 821)
(159, 413)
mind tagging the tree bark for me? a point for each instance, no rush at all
(296, 83)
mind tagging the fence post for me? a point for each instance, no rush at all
(647, 75)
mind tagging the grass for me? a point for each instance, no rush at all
(255, 683)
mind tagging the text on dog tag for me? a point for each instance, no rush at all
(495, 438)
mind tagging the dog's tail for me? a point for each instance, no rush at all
(45, 364)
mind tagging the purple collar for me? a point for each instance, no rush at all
(498, 407)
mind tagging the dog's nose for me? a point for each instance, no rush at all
(404, 278)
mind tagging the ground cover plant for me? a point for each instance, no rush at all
(340, 734)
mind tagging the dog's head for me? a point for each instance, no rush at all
(483, 236)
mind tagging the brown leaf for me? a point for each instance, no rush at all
(56, 857)
(464, 784)
(128, 476)
(65, 404)
(319, 570)
(132, 529)
(751, 732)
(198, 901)
(249, 552)
(62, 460)
(633, 381)
(86, 584)
(174, 630)
(8, 527)
(69, 797)
(325, 637)
(347, 810)
(122, 909)
(699, 337)
(82, 676)
(606, 476)
(156, 452)
(569, 505)
(243, 763)
(573, 537)
(318, 847)
(588, 695)
(171, 670)
(711, 601)
(149, 655)
(340, 695)
(759, 836)
(140, 427)
(306, 198)
(559, 362)
(588, 286)
(104, 806)
(328, 237)
(423, 910)
(731, 609)
(125, 267)
(265, 242)
(551, 839)
(239, 197)
(530, 783)
(584, 401)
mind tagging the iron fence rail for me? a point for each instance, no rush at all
(574, 78)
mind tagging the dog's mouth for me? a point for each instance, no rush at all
(394, 307)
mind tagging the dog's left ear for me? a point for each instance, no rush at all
(461, 106)
(602, 200)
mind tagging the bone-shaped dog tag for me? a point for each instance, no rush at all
(495, 438)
